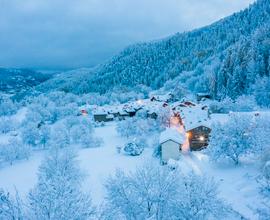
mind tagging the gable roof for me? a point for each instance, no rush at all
(171, 134)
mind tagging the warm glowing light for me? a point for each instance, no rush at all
(174, 121)
(188, 134)
(185, 146)
(84, 112)
(201, 138)
(140, 102)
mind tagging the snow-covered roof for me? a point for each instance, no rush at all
(193, 116)
(191, 125)
(203, 94)
(100, 111)
(109, 116)
(171, 134)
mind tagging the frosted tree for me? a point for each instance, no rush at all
(142, 194)
(6, 125)
(30, 134)
(232, 139)
(15, 149)
(57, 194)
(11, 208)
(164, 116)
(7, 106)
(44, 132)
(126, 128)
(262, 91)
(81, 132)
(154, 192)
(60, 135)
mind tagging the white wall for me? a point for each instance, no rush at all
(170, 150)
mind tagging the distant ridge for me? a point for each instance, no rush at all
(224, 58)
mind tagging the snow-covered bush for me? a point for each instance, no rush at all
(14, 150)
(10, 208)
(57, 194)
(154, 192)
(231, 140)
(133, 149)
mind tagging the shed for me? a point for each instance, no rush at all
(171, 142)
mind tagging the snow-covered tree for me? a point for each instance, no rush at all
(198, 199)
(154, 192)
(81, 132)
(262, 91)
(232, 139)
(30, 134)
(60, 135)
(10, 208)
(6, 125)
(15, 149)
(44, 132)
(138, 129)
(57, 194)
(164, 116)
(7, 106)
(126, 128)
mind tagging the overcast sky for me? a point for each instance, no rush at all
(63, 34)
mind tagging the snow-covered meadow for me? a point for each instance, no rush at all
(237, 185)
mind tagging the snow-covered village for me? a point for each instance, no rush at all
(170, 129)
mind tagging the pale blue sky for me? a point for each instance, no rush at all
(63, 34)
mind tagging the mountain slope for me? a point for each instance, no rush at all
(207, 54)
(13, 81)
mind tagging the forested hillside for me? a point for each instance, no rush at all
(225, 58)
(20, 80)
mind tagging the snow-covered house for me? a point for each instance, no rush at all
(162, 98)
(102, 115)
(196, 121)
(123, 114)
(202, 96)
(171, 142)
(198, 134)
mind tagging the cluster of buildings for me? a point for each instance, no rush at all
(189, 127)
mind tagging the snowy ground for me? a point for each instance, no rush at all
(96, 163)
(238, 185)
